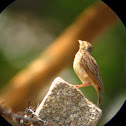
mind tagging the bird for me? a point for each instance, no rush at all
(87, 69)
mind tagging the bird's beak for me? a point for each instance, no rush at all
(80, 41)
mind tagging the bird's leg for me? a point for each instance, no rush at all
(83, 85)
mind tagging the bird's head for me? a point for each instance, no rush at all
(84, 45)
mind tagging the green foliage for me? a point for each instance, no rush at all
(64, 11)
(6, 70)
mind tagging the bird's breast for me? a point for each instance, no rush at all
(79, 70)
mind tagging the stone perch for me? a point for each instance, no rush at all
(65, 105)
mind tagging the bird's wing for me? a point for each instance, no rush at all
(91, 67)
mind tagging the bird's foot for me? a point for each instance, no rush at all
(83, 85)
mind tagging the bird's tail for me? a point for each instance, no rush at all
(98, 90)
(99, 96)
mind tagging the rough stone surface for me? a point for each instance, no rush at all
(65, 105)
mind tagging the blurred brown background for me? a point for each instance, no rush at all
(38, 41)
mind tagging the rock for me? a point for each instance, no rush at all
(65, 105)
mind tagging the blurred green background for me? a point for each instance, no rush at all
(28, 27)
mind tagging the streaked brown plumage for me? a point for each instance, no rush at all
(87, 69)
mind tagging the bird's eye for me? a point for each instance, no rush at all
(89, 49)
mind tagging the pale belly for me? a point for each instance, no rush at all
(81, 73)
